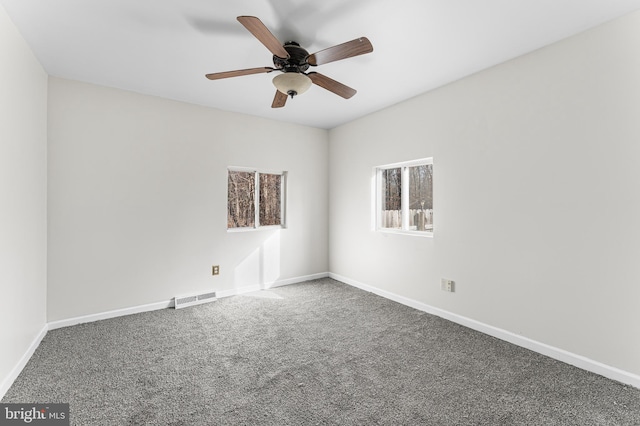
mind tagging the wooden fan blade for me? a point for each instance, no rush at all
(279, 100)
(352, 48)
(237, 73)
(331, 85)
(262, 33)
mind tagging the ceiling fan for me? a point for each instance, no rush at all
(293, 61)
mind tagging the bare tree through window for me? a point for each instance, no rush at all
(270, 199)
(392, 197)
(241, 199)
(406, 196)
(242, 209)
(421, 196)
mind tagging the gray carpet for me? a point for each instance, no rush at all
(316, 353)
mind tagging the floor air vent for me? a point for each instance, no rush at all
(196, 299)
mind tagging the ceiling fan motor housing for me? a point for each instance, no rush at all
(297, 61)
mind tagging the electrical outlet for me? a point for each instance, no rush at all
(447, 285)
(215, 270)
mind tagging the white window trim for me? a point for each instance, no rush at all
(283, 198)
(377, 198)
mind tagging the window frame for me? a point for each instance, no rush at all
(378, 197)
(283, 198)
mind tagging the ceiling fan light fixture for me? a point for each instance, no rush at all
(292, 83)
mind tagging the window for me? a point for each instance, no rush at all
(255, 199)
(404, 197)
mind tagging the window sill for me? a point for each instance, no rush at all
(260, 228)
(423, 234)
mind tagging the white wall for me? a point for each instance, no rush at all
(23, 195)
(536, 174)
(137, 200)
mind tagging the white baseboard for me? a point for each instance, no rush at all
(17, 369)
(168, 304)
(110, 314)
(272, 284)
(541, 348)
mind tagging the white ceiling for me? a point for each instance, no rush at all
(165, 47)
